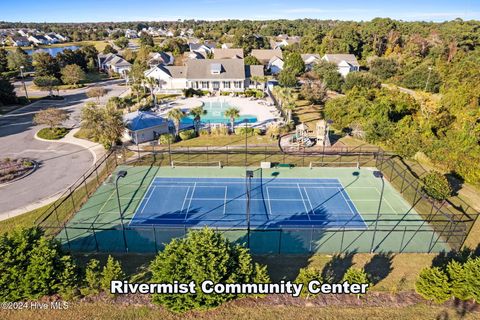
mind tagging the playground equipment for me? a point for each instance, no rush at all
(322, 130)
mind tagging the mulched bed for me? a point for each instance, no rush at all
(11, 169)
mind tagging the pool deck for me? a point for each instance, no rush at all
(265, 114)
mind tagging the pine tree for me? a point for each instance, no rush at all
(111, 271)
(432, 284)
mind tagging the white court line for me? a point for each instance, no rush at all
(188, 208)
(303, 201)
(148, 199)
(269, 205)
(143, 198)
(244, 199)
(185, 199)
(225, 201)
(233, 182)
(349, 207)
(111, 194)
(308, 198)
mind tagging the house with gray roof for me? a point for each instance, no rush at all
(310, 59)
(265, 55)
(165, 58)
(209, 75)
(228, 53)
(111, 62)
(346, 63)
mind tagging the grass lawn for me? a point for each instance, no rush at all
(307, 113)
(221, 141)
(242, 310)
(53, 133)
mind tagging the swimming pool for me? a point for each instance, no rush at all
(215, 114)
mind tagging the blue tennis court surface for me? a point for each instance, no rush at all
(222, 202)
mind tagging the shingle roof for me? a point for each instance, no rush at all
(139, 120)
(201, 69)
(254, 71)
(264, 55)
(228, 53)
(337, 58)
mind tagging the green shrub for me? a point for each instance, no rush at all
(354, 275)
(53, 134)
(458, 280)
(32, 266)
(432, 284)
(166, 138)
(190, 92)
(92, 277)
(305, 275)
(187, 134)
(203, 255)
(436, 185)
(472, 277)
(219, 131)
(111, 271)
(204, 132)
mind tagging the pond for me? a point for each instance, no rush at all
(52, 50)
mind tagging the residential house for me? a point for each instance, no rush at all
(346, 63)
(206, 47)
(143, 126)
(165, 58)
(252, 73)
(283, 41)
(19, 41)
(171, 78)
(227, 45)
(61, 37)
(228, 53)
(275, 65)
(114, 63)
(52, 38)
(265, 55)
(23, 32)
(310, 59)
(38, 40)
(195, 55)
(131, 34)
(209, 74)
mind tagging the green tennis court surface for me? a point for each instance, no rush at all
(396, 228)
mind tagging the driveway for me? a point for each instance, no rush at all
(61, 164)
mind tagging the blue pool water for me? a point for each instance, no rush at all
(215, 114)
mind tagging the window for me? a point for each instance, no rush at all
(205, 85)
(216, 85)
(226, 84)
(237, 84)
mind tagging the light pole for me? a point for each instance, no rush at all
(23, 82)
(377, 174)
(121, 174)
(249, 177)
(246, 141)
(428, 77)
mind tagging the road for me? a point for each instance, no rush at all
(61, 164)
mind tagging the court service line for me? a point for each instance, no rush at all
(148, 199)
(108, 199)
(141, 203)
(303, 201)
(308, 198)
(348, 204)
(190, 202)
(269, 205)
(185, 198)
(225, 201)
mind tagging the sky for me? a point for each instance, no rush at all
(159, 10)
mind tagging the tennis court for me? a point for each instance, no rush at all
(222, 202)
(291, 210)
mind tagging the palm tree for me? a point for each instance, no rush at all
(152, 83)
(197, 113)
(176, 115)
(232, 113)
(288, 98)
